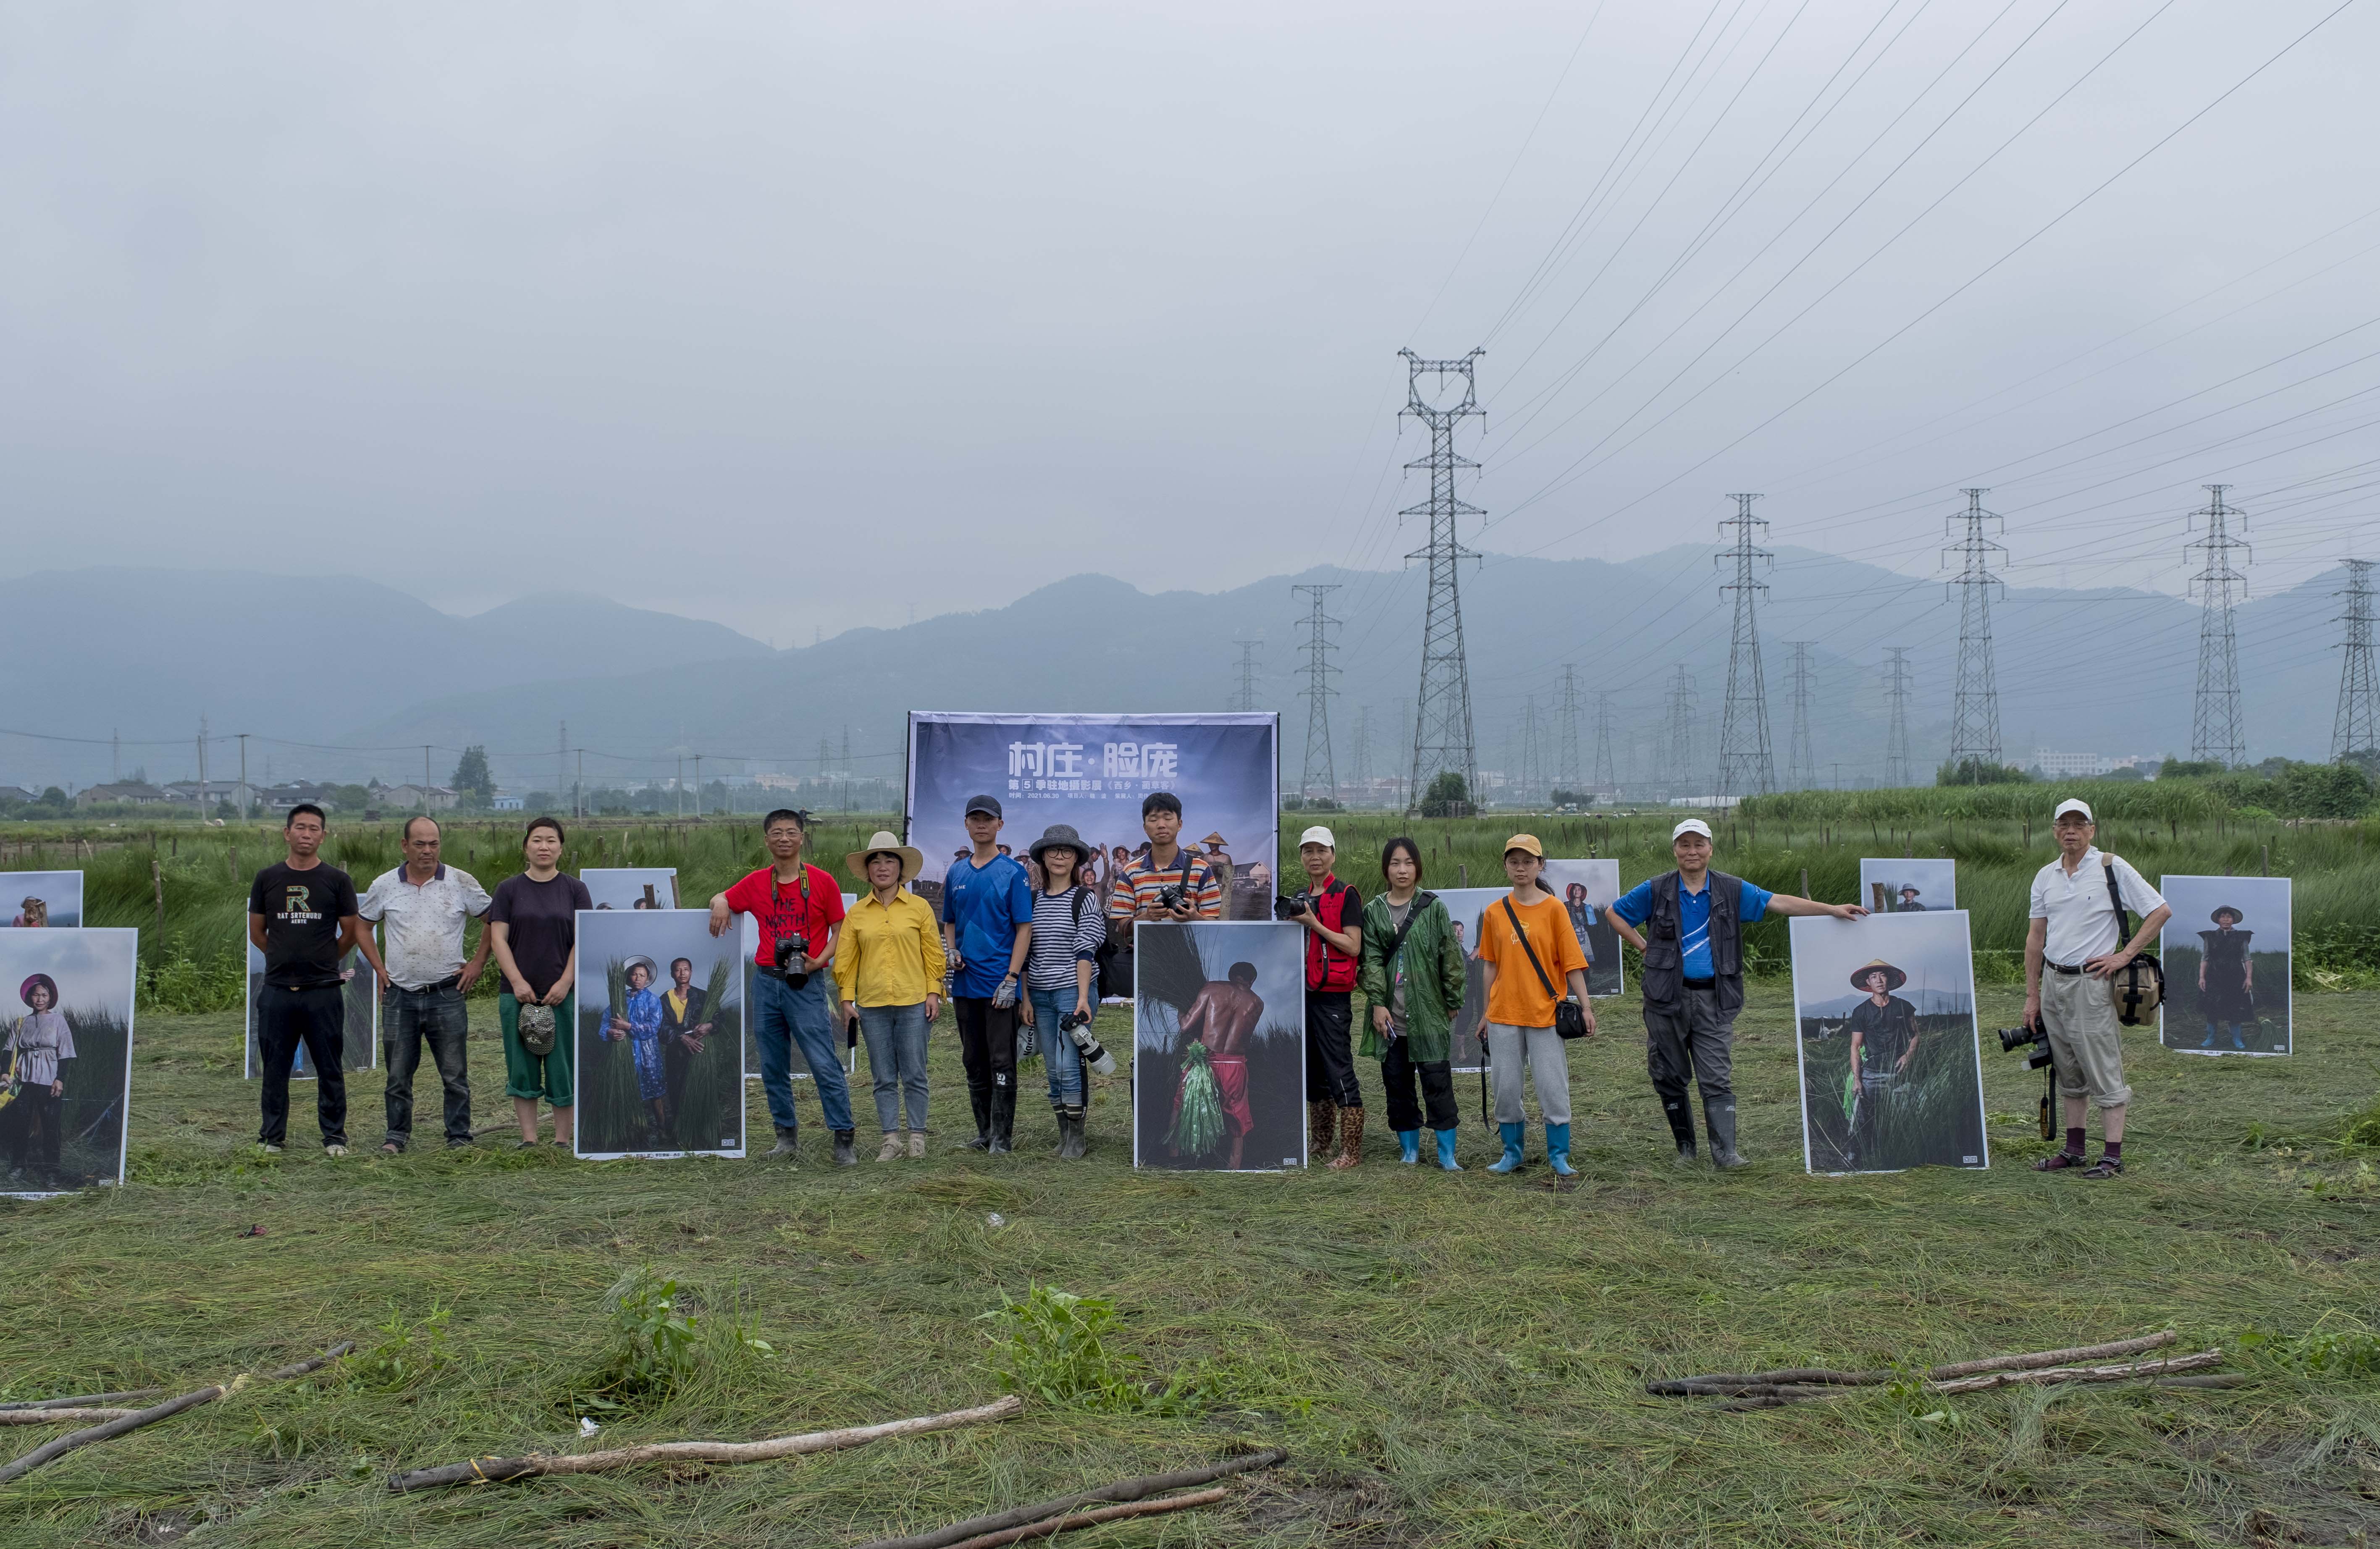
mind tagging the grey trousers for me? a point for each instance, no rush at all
(1692, 1041)
(1541, 1050)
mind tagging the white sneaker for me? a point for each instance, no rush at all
(334, 1151)
(267, 1150)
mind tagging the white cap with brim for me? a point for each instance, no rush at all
(2070, 804)
(1317, 835)
(1691, 826)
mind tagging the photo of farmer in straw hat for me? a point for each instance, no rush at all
(2227, 965)
(66, 1052)
(1891, 1077)
(1909, 886)
(659, 1049)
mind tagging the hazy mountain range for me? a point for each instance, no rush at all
(365, 673)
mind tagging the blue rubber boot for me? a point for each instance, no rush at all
(1511, 1157)
(1446, 1151)
(1557, 1150)
(1409, 1146)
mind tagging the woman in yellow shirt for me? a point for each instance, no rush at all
(1519, 1028)
(888, 972)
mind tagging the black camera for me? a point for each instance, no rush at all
(1095, 1054)
(1170, 898)
(2035, 1037)
(1289, 906)
(792, 952)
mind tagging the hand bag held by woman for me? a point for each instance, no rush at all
(1570, 1019)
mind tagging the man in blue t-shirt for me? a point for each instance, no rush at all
(1693, 919)
(986, 927)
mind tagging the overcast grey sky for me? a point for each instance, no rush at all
(901, 304)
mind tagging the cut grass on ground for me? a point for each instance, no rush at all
(1450, 1360)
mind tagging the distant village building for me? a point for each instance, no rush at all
(17, 796)
(131, 792)
(510, 804)
(410, 798)
(2077, 765)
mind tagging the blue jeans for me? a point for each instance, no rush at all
(781, 1016)
(1063, 1061)
(896, 1036)
(410, 1018)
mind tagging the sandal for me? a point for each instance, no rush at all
(2058, 1161)
(2105, 1167)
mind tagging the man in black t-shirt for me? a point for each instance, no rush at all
(301, 915)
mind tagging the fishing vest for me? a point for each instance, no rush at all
(1665, 982)
(1328, 968)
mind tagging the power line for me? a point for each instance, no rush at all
(2216, 730)
(1975, 702)
(1318, 694)
(2356, 729)
(1442, 732)
(1745, 768)
(1897, 773)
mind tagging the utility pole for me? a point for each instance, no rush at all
(562, 765)
(578, 787)
(202, 765)
(1897, 772)
(698, 777)
(2216, 730)
(1317, 693)
(1800, 764)
(2356, 728)
(678, 780)
(1246, 697)
(1606, 776)
(1442, 736)
(425, 777)
(114, 756)
(243, 776)
(1975, 704)
(1745, 768)
(1566, 767)
(1680, 729)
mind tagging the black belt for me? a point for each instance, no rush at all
(1701, 984)
(449, 982)
(2060, 968)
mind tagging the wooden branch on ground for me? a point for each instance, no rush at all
(134, 1420)
(1121, 1489)
(1056, 1525)
(312, 1363)
(1729, 1382)
(491, 1471)
(2081, 1374)
(79, 1400)
(77, 1416)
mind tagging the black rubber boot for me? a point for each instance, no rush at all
(1720, 1115)
(979, 1098)
(1004, 1120)
(1071, 1142)
(785, 1147)
(1682, 1126)
(843, 1154)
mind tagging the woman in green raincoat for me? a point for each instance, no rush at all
(1413, 986)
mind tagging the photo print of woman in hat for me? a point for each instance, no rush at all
(640, 1026)
(2227, 965)
(32, 1106)
(2226, 978)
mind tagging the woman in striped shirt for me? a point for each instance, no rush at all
(1060, 965)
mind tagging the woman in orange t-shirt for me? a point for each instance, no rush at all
(1519, 1028)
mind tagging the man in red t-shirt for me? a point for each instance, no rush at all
(799, 911)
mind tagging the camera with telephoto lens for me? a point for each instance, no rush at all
(2035, 1037)
(792, 952)
(1094, 1055)
(1289, 906)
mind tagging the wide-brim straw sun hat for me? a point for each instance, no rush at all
(912, 860)
(2223, 908)
(652, 969)
(1893, 978)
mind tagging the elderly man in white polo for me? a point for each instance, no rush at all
(2075, 938)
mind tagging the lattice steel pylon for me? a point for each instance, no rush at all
(1566, 769)
(1442, 734)
(1800, 766)
(1976, 703)
(1607, 778)
(1245, 698)
(1679, 736)
(1745, 767)
(2215, 729)
(1897, 772)
(2356, 729)
(1532, 772)
(1317, 693)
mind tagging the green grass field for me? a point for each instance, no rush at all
(1450, 1360)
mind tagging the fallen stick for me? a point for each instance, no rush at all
(1056, 1525)
(135, 1420)
(1121, 1489)
(79, 1400)
(60, 1416)
(2081, 1374)
(1824, 1377)
(493, 1470)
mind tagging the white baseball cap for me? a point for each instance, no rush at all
(2070, 804)
(1317, 835)
(1691, 826)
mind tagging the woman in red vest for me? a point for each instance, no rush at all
(1333, 918)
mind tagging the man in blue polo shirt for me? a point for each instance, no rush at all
(986, 928)
(1694, 920)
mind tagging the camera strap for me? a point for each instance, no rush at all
(1397, 941)
(1523, 937)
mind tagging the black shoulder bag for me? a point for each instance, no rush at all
(2139, 984)
(1569, 1020)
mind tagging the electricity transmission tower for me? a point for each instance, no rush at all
(1975, 705)
(1566, 749)
(1532, 771)
(1443, 739)
(1801, 768)
(1245, 698)
(1606, 776)
(1363, 775)
(1896, 743)
(1745, 768)
(2215, 731)
(1680, 733)
(1318, 691)
(2357, 728)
